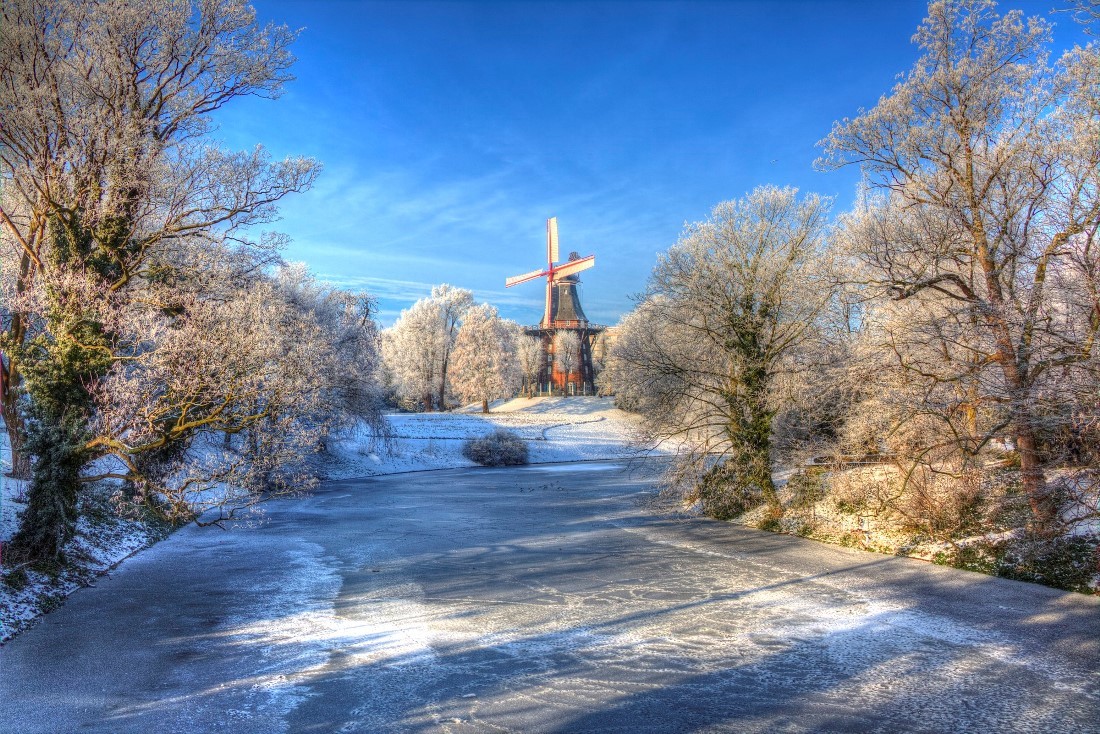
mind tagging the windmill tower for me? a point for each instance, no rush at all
(562, 312)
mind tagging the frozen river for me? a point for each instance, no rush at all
(543, 599)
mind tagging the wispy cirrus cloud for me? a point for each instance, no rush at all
(395, 295)
(410, 232)
(450, 131)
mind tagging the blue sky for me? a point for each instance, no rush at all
(451, 130)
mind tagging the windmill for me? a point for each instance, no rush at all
(562, 312)
(558, 275)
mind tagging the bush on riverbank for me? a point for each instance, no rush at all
(499, 448)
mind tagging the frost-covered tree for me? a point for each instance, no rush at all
(259, 367)
(106, 168)
(567, 352)
(1087, 13)
(726, 315)
(417, 348)
(453, 304)
(350, 351)
(273, 363)
(530, 358)
(412, 352)
(601, 349)
(988, 158)
(484, 359)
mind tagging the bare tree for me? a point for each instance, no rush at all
(991, 163)
(485, 366)
(1085, 12)
(453, 304)
(567, 353)
(412, 349)
(725, 315)
(530, 358)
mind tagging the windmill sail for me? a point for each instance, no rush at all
(558, 277)
(574, 266)
(517, 279)
(552, 240)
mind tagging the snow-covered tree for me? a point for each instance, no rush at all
(988, 159)
(725, 314)
(1087, 13)
(351, 346)
(412, 352)
(106, 170)
(484, 358)
(255, 366)
(416, 350)
(530, 358)
(220, 349)
(567, 351)
(453, 304)
(601, 350)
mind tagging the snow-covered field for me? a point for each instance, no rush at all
(556, 430)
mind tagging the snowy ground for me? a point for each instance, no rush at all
(557, 429)
(850, 510)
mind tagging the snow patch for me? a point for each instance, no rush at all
(555, 429)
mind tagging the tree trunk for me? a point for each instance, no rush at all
(484, 405)
(1044, 507)
(20, 458)
(13, 422)
(427, 401)
(756, 442)
(750, 430)
(443, 386)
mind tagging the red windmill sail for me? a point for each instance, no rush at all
(552, 272)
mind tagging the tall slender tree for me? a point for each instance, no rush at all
(411, 352)
(453, 304)
(530, 358)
